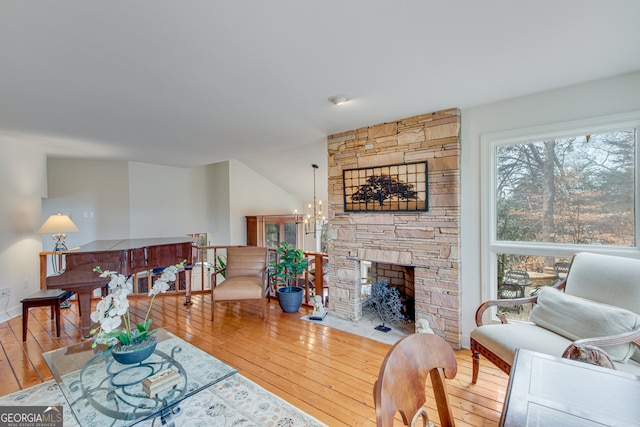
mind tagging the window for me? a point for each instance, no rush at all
(277, 232)
(556, 191)
(576, 190)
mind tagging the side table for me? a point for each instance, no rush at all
(550, 391)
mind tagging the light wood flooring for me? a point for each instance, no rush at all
(325, 372)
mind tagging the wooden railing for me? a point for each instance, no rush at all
(44, 256)
(317, 263)
(313, 284)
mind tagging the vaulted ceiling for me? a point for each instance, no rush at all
(194, 82)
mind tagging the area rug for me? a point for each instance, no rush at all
(235, 401)
(364, 327)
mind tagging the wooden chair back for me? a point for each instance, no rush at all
(402, 380)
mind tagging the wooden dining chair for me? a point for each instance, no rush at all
(402, 380)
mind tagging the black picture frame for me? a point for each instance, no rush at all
(401, 187)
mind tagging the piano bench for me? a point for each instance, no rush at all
(51, 297)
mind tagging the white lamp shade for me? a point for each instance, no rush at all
(58, 223)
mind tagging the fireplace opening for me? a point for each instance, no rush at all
(388, 293)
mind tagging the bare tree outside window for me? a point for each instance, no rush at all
(577, 190)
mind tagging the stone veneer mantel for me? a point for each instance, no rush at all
(428, 241)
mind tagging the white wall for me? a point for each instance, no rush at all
(218, 204)
(94, 193)
(118, 199)
(253, 194)
(167, 201)
(22, 186)
(594, 99)
(236, 191)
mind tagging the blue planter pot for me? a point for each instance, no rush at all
(290, 302)
(130, 357)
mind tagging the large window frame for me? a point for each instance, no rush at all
(491, 246)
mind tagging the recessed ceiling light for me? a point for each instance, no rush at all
(338, 99)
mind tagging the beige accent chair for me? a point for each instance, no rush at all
(245, 277)
(401, 382)
(597, 304)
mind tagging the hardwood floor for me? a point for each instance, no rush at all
(325, 372)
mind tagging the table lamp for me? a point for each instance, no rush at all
(58, 225)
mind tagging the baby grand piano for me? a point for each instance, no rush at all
(127, 257)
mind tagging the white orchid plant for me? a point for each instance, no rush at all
(112, 310)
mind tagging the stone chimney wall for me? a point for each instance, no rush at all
(428, 241)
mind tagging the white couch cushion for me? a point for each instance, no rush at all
(503, 340)
(576, 318)
(607, 279)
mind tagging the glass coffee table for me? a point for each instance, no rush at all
(101, 391)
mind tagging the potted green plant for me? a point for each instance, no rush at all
(130, 342)
(289, 264)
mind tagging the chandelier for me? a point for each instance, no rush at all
(314, 218)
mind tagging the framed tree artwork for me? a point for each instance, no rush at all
(390, 188)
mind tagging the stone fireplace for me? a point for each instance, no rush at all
(427, 242)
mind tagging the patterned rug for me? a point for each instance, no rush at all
(235, 401)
